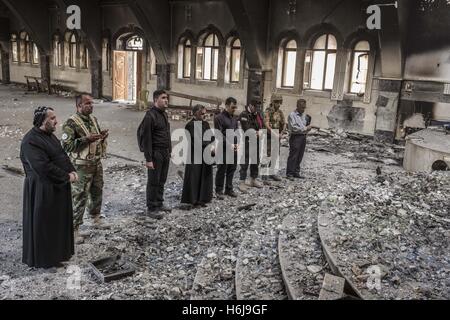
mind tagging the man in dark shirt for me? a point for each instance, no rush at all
(252, 122)
(157, 147)
(223, 122)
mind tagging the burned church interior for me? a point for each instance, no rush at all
(369, 216)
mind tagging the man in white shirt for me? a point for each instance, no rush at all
(298, 127)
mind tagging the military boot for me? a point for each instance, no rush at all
(243, 187)
(255, 183)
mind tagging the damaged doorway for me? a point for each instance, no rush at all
(127, 69)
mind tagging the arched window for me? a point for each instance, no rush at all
(288, 64)
(14, 48)
(73, 51)
(360, 66)
(25, 47)
(135, 43)
(105, 54)
(184, 59)
(235, 61)
(84, 56)
(57, 51)
(207, 58)
(320, 63)
(35, 58)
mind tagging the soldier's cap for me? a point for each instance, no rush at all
(276, 97)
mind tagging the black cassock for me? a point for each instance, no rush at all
(47, 201)
(198, 178)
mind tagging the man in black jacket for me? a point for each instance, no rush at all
(252, 122)
(157, 147)
(227, 121)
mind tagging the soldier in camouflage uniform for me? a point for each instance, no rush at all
(276, 124)
(85, 143)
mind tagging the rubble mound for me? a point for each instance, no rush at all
(390, 237)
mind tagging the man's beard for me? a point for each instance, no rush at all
(50, 128)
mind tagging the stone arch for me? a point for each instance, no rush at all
(286, 36)
(127, 32)
(205, 32)
(313, 33)
(360, 35)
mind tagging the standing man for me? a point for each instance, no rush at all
(85, 143)
(252, 121)
(275, 123)
(198, 177)
(298, 129)
(155, 142)
(47, 200)
(227, 121)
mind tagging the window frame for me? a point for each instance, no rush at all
(24, 42)
(84, 58)
(213, 48)
(327, 52)
(73, 45)
(15, 42)
(185, 48)
(285, 53)
(234, 48)
(33, 61)
(352, 61)
(106, 46)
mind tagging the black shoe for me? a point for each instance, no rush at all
(298, 176)
(231, 194)
(155, 213)
(219, 195)
(163, 208)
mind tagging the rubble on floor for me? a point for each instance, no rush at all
(392, 219)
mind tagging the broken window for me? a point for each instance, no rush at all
(184, 59)
(14, 48)
(207, 64)
(320, 63)
(360, 66)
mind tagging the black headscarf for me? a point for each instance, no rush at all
(39, 115)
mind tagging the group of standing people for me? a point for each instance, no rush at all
(64, 179)
(199, 184)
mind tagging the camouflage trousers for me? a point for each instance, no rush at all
(87, 193)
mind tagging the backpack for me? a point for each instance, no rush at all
(140, 130)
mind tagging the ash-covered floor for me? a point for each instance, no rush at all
(393, 220)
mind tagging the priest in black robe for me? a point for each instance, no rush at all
(47, 201)
(198, 177)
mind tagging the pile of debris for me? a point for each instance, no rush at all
(395, 228)
(355, 146)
